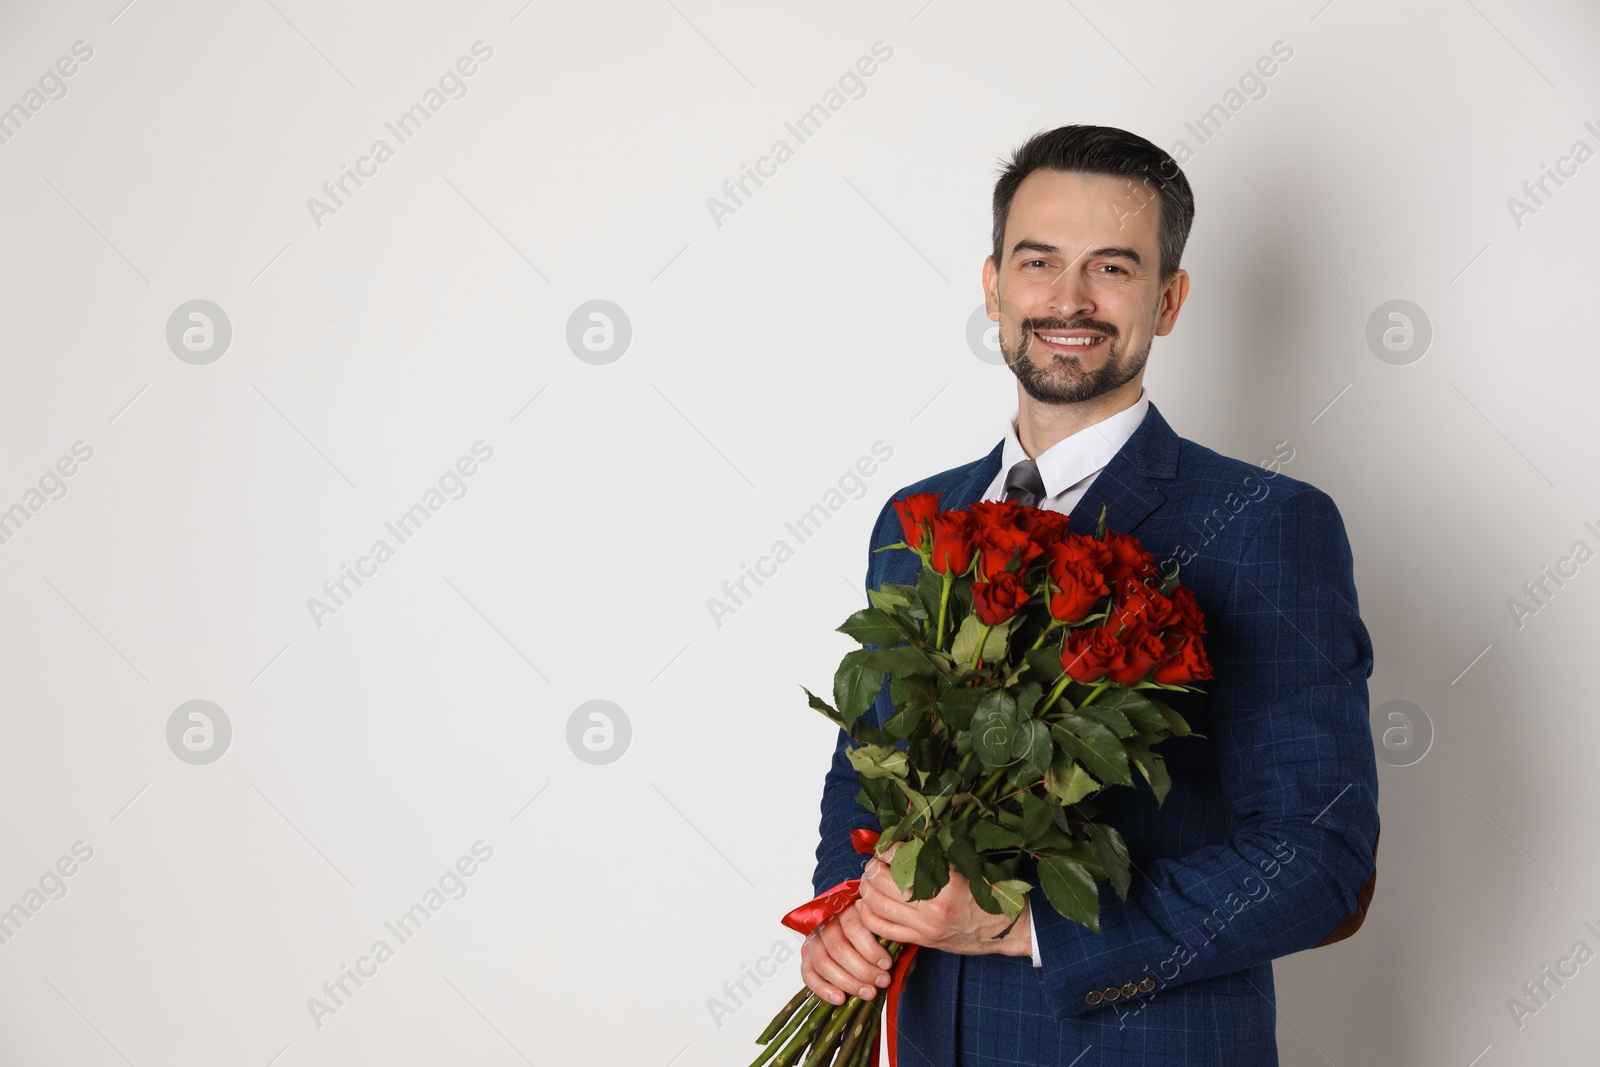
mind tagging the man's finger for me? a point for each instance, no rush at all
(878, 876)
(889, 929)
(845, 952)
(864, 941)
(815, 982)
(833, 971)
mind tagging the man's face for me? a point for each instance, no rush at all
(1078, 293)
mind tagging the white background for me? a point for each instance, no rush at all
(769, 352)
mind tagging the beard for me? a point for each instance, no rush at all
(1061, 379)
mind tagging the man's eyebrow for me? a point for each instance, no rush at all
(1113, 251)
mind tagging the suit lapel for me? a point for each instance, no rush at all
(970, 491)
(1124, 486)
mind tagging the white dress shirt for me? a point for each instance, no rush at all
(1067, 469)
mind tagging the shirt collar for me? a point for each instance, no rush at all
(1074, 458)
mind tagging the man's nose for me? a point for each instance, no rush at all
(1070, 295)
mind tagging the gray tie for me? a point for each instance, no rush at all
(1023, 483)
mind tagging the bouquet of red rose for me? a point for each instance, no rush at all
(1024, 667)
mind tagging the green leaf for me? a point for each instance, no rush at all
(1071, 784)
(966, 859)
(1045, 663)
(877, 761)
(893, 830)
(886, 598)
(905, 597)
(966, 639)
(1175, 722)
(856, 685)
(932, 871)
(1071, 890)
(1154, 769)
(1035, 817)
(904, 721)
(1033, 746)
(1021, 776)
(823, 706)
(1054, 841)
(982, 894)
(930, 583)
(972, 628)
(1010, 894)
(958, 706)
(1139, 709)
(904, 865)
(1096, 747)
(900, 662)
(988, 836)
(919, 808)
(995, 729)
(1027, 697)
(1112, 852)
(1110, 718)
(876, 791)
(871, 626)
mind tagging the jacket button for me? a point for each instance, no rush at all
(1147, 985)
(1111, 993)
(1092, 997)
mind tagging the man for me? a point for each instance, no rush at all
(1267, 843)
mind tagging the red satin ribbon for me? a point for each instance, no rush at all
(812, 914)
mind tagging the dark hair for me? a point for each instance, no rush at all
(1112, 152)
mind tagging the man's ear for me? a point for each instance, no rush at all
(991, 288)
(1173, 294)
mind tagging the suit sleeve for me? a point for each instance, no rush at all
(1289, 722)
(837, 859)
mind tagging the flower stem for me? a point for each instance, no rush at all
(977, 653)
(855, 1037)
(1054, 694)
(814, 1018)
(1096, 691)
(780, 1020)
(1055, 624)
(944, 599)
(989, 784)
(822, 1048)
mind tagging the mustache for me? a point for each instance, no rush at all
(1055, 323)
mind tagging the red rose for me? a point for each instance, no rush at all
(1128, 558)
(1089, 654)
(999, 545)
(1142, 650)
(998, 599)
(1188, 662)
(914, 511)
(1043, 526)
(1080, 585)
(1092, 552)
(1190, 619)
(1141, 606)
(995, 512)
(952, 542)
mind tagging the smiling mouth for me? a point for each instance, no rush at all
(1069, 341)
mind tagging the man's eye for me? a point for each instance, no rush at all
(1112, 266)
(1031, 262)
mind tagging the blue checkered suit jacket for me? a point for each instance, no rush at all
(1267, 842)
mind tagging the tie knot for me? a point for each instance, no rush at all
(1023, 483)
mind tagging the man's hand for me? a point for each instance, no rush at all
(949, 922)
(842, 957)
